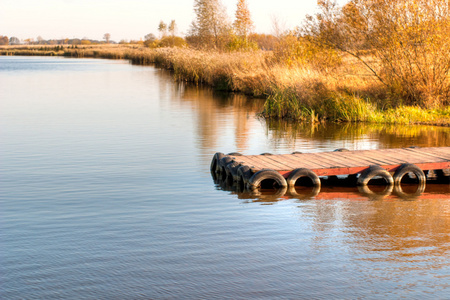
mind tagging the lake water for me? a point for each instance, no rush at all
(106, 193)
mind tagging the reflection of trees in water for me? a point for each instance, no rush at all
(402, 230)
(211, 108)
(386, 135)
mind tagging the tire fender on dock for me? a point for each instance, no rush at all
(409, 168)
(374, 171)
(244, 174)
(273, 177)
(302, 173)
(215, 161)
(231, 170)
(223, 162)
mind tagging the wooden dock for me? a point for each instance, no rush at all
(359, 163)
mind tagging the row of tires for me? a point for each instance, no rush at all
(229, 169)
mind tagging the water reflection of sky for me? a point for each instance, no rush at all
(106, 192)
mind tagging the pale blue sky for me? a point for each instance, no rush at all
(130, 19)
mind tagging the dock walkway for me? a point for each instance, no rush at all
(360, 163)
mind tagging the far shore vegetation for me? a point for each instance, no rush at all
(379, 61)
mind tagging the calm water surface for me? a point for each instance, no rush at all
(105, 193)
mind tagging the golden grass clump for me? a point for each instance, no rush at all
(297, 91)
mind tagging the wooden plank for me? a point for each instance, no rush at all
(387, 157)
(293, 163)
(310, 160)
(426, 154)
(444, 151)
(252, 161)
(300, 163)
(326, 162)
(364, 160)
(363, 155)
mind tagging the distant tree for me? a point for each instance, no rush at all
(107, 37)
(172, 41)
(150, 37)
(29, 41)
(172, 28)
(40, 40)
(4, 40)
(264, 41)
(210, 27)
(243, 25)
(14, 41)
(162, 28)
(279, 28)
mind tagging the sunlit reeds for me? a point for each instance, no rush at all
(300, 92)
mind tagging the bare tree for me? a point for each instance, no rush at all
(107, 37)
(279, 27)
(162, 28)
(173, 28)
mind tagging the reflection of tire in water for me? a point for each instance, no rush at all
(399, 191)
(406, 169)
(266, 179)
(270, 195)
(215, 161)
(374, 172)
(304, 193)
(372, 195)
(303, 177)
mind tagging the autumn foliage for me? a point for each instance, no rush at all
(404, 44)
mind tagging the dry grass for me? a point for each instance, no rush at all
(299, 92)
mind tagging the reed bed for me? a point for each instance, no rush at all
(299, 92)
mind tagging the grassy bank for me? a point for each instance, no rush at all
(305, 92)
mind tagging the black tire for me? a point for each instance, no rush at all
(404, 169)
(297, 152)
(231, 170)
(234, 154)
(223, 162)
(266, 153)
(341, 150)
(244, 174)
(296, 174)
(215, 161)
(374, 171)
(266, 178)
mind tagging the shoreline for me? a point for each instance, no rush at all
(296, 94)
